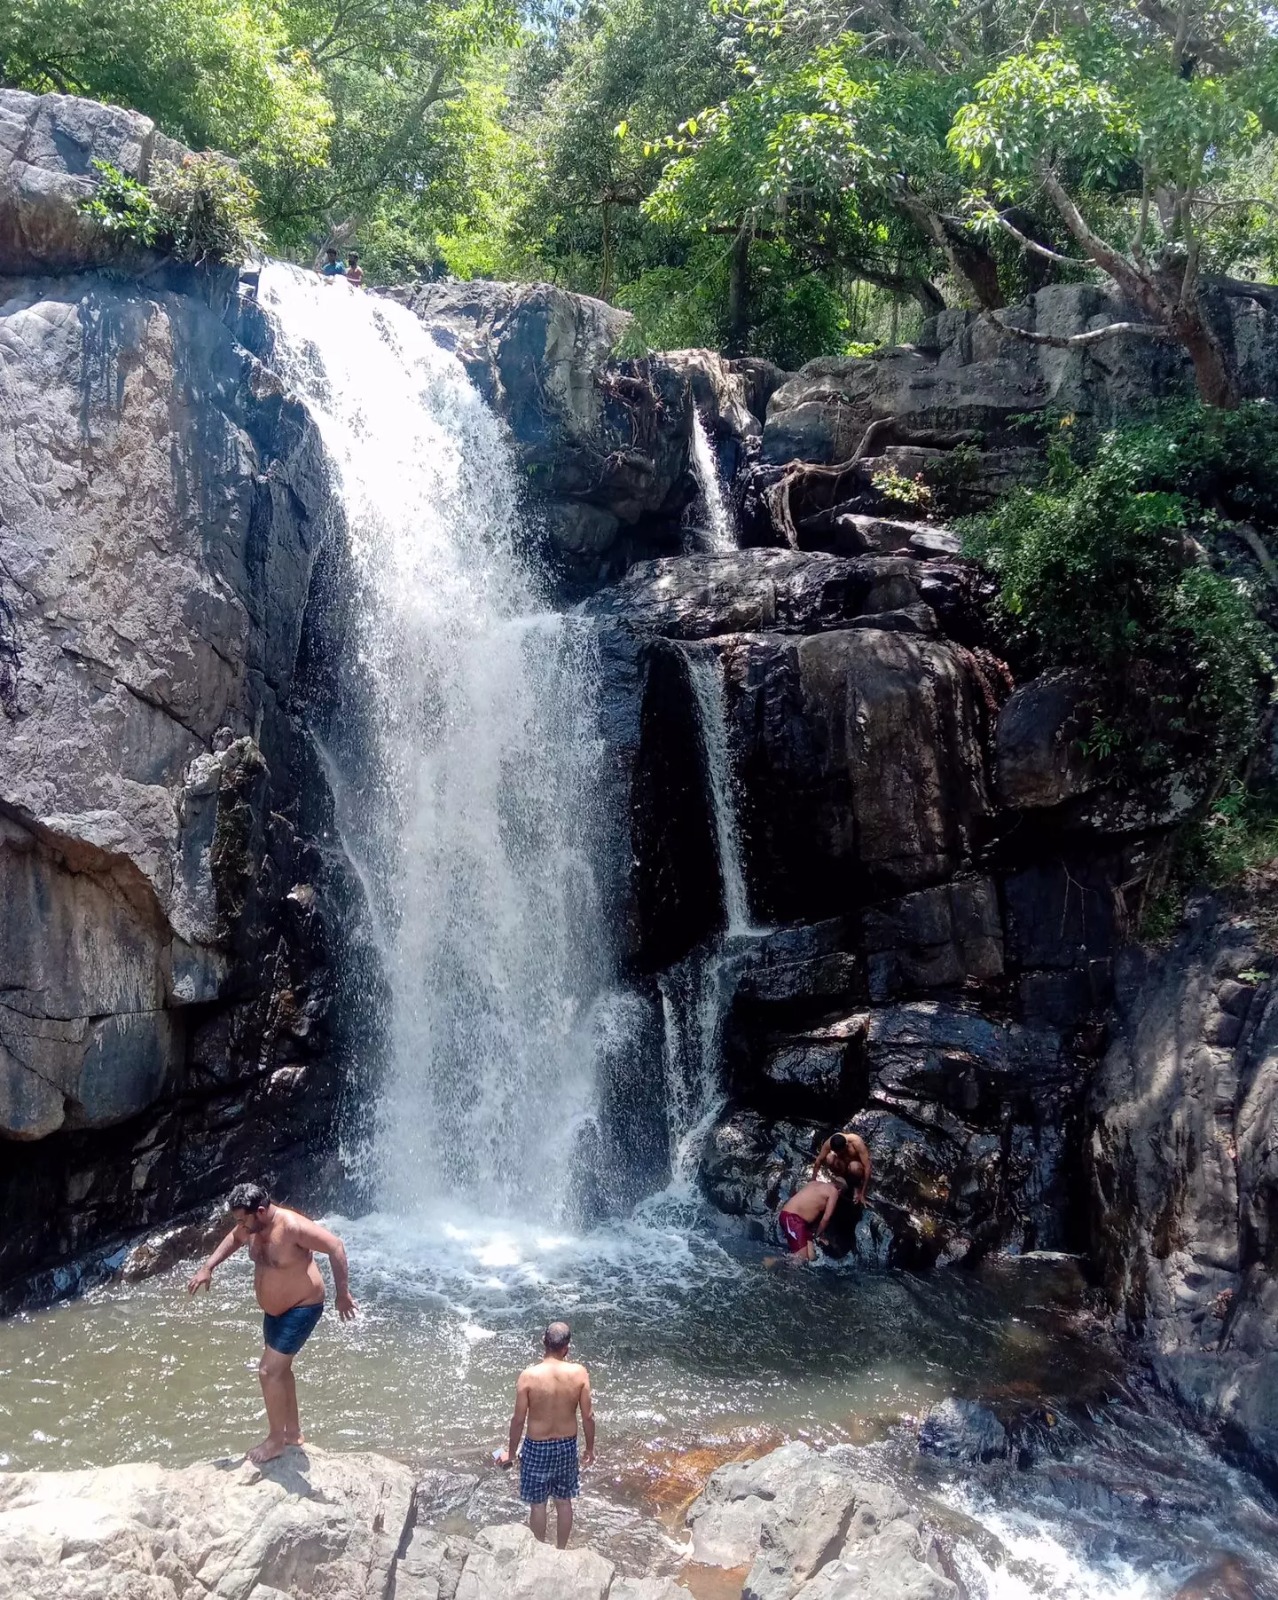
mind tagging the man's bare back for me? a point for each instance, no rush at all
(548, 1396)
(554, 1390)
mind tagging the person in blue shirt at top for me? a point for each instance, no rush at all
(332, 267)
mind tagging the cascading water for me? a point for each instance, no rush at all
(716, 523)
(475, 824)
(705, 678)
(695, 994)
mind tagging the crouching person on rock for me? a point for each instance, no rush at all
(547, 1398)
(290, 1291)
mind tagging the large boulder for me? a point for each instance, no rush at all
(966, 377)
(603, 443)
(1184, 1182)
(813, 1525)
(859, 761)
(48, 144)
(311, 1524)
(162, 506)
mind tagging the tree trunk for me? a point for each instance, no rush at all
(605, 273)
(739, 294)
(1214, 378)
(978, 269)
(969, 260)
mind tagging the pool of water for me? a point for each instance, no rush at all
(688, 1336)
(699, 1351)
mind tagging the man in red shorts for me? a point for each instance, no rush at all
(805, 1216)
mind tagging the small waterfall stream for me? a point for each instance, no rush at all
(716, 523)
(705, 678)
(696, 994)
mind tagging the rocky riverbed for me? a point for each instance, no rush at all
(793, 1524)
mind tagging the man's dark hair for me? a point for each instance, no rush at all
(838, 1143)
(354, 255)
(331, 252)
(248, 1197)
(558, 1337)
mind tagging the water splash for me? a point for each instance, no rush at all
(474, 824)
(718, 530)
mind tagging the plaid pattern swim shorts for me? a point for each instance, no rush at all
(548, 1469)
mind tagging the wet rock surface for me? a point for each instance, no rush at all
(1182, 1173)
(925, 969)
(168, 932)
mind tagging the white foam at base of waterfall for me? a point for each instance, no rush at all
(471, 812)
(716, 525)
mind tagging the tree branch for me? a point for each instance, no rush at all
(1072, 341)
(1026, 243)
(1103, 254)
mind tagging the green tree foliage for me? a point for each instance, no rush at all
(1120, 563)
(992, 144)
(779, 175)
(201, 209)
(1139, 133)
(216, 74)
(348, 115)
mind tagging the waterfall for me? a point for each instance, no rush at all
(473, 822)
(719, 535)
(705, 677)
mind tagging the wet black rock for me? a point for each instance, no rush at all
(964, 1430)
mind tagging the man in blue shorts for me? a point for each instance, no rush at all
(290, 1291)
(547, 1399)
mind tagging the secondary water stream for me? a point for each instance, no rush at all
(469, 811)
(712, 514)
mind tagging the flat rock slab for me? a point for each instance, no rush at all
(313, 1524)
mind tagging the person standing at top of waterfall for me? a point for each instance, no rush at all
(354, 272)
(290, 1291)
(847, 1156)
(548, 1397)
(332, 267)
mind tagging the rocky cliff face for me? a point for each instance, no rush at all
(933, 873)
(1184, 1186)
(933, 898)
(163, 952)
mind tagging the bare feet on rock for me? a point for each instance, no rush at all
(269, 1449)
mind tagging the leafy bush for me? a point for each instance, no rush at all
(201, 209)
(209, 209)
(1108, 566)
(122, 207)
(893, 485)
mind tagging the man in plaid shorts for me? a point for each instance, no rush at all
(547, 1398)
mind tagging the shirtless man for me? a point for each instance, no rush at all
(547, 1398)
(805, 1216)
(290, 1292)
(846, 1155)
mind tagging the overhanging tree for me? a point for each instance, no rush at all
(1140, 128)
